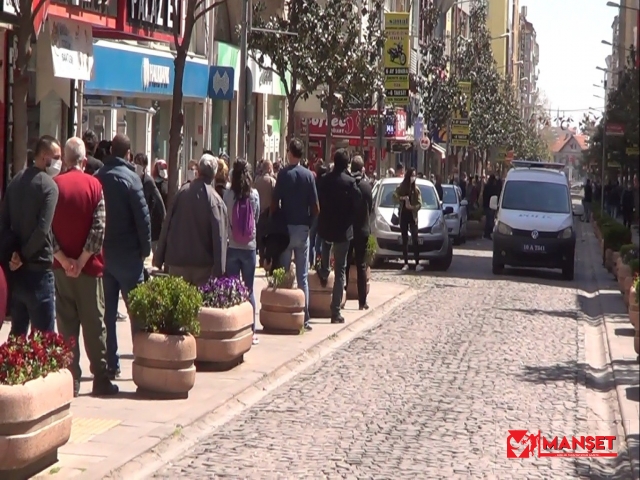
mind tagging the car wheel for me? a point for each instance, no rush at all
(568, 270)
(496, 267)
(443, 264)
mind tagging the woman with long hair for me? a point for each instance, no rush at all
(222, 178)
(410, 199)
(243, 210)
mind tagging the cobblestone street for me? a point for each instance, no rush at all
(433, 390)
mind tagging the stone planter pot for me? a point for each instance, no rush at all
(475, 229)
(352, 288)
(282, 310)
(608, 259)
(320, 297)
(615, 260)
(626, 290)
(623, 271)
(632, 295)
(636, 342)
(633, 317)
(226, 334)
(163, 364)
(35, 420)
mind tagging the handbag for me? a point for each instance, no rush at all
(395, 218)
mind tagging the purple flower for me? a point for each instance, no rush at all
(224, 292)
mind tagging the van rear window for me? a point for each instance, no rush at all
(536, 197)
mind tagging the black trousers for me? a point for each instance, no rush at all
(357, 250)
(408, 224)
(627, 217)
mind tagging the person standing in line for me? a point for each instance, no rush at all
(155, 203)
(26, 215)
(339, 201)
(243, 210)
(192, 171)
(127, 239)
(361, 231)
(410, 198)
(193, 240)
(78, 233)
(103, 150)
(438, 185)
(90, 140)
(627, 205)
(587, 201)
(315, 242)
(264, 184)
(491, 189)
(296, 197)
(160, 176)
(222, 178)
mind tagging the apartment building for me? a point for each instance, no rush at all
(626, 33)
(498, 23)
(528, 71)
(514, 43)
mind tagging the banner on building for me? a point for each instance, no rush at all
(460, 124)
(397, 52)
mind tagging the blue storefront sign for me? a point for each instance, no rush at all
(221, 81)
(124, 72)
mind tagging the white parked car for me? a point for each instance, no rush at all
(433, 238)
(457, 220)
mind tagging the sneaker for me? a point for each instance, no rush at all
(323, 281)
(102, 387)
(113, 373)
(405, 267)
(419, 268)
(364, 307)
(308, 328)
(255, 340)
(121, 316)
(337, 319)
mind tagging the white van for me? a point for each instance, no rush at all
(534, 219)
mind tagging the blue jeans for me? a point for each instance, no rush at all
(242, 263)
(121, 274)
(299, 249)
(340, 253)
(315, 242)
(33, 299)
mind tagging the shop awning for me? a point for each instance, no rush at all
(439, 150)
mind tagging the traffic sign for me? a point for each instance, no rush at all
(458, 140)
(425, 143)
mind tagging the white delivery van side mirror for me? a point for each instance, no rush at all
(493, 203)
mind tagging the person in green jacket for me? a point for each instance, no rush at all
(408, 196)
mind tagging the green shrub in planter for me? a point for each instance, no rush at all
(371, 250)
(628, 252)
(615, 236)
(636, 286)
(635, 267)
(167, 305)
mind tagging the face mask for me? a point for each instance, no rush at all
(54, 168)
(163, 173)
(139, 169)
(191, 175)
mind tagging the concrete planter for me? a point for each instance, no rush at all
(475, 229)
(623, 272)
(615, 260)
(626, 289)
(282, 310)
(163, 364)
(226, 334)
(320, 297)
(608, 259)
(636, 342)
(35, 420)
(633, 310)
(352, 288)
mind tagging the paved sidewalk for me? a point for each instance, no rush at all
(109, 433)
(606, 303)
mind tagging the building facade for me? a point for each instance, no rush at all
(498, 23)
(528, 61)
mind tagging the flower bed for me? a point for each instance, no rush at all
(226, 324)
(36, 390)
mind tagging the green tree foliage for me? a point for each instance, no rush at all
(288, 56)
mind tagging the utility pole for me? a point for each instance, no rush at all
(243, 100)
(604, 144)
(380, 109)
(453, 59)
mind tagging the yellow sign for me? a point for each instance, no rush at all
(460, 123)
(465, 89)
(397, 53)
(633, 150)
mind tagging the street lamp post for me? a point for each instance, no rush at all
(604, 137)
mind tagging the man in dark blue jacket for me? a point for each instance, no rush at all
(127, 240)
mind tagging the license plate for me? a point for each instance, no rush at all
(533, 248)
(420, 240)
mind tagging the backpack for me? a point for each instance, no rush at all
(243, 222)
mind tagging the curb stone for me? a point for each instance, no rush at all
(174, 441)
(628, 411)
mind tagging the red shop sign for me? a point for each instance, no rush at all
(348, 127)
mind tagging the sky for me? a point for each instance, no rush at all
(569, 34)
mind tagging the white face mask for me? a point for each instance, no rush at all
(55, 168)
(163, 173)
(139, 169)
(191, 175)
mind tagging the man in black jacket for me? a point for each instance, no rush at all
(361, 230)
(91, 141)
(490, 189)
(157, 208)
(25, 225)
(339, 197)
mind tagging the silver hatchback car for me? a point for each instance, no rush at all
(434, 243)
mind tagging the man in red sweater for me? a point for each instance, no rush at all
(78, 233)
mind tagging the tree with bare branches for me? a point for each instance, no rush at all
(195, 11)
(29, 12)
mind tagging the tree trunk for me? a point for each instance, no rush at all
(327, 152)
(177, 120)
(291, 119)
(19, 95)
(364, 120)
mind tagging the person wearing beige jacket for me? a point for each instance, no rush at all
(193, 240)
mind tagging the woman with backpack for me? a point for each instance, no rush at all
(243, 209)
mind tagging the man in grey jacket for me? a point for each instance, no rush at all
(193, 241)
(25, 233)
(127, 239)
